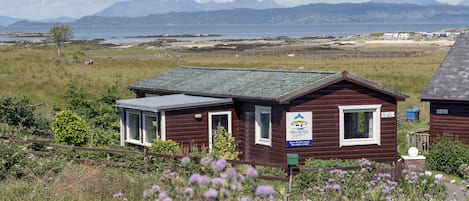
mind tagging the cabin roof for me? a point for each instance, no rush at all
(169, 102)
(451, 79)
(252, 84)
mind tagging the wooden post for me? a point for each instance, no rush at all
(145, 159)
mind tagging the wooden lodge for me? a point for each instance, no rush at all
(448, 93)
(271, 113)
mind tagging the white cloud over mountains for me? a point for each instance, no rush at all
(39, 9)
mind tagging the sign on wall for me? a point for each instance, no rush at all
(299, 129)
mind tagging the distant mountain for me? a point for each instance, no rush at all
(57, 20)
(417, 2)
(5, 21)
(312, 13)
(139, 8)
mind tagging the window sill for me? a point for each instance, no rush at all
(358, 142)
(134, 142)
(264, 142)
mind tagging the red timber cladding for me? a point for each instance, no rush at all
(324, 106)
(456, 122)
(246, 130)
(182, 127)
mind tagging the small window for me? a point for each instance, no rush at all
(360, 125)
(133, 127)
(149, 128)
(263, 125)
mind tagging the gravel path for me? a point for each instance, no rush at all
(452, 188)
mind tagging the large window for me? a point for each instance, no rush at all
(133, 127)
(263, 125)
(360, 125)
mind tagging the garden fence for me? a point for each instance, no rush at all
(419, 139)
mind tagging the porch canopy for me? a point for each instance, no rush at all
(170, 102)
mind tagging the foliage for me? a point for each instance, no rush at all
(464, 171)
(165, 146)
(447, 155)
(17, 111)
(70, 128)
(224, 145)
(12, 161)
(60, 33)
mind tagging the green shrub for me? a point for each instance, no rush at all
(224, 145)
(464, 171)
(165, 147)
(70, 128)
(12, 161)
(447, 155)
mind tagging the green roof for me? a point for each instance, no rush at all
(251, 84)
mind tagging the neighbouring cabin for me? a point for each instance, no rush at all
(271, 113)
(448, 93)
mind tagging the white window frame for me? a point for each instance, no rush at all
(144, 125)
(376, 139)
(210, 134)
(258, 111)
(127, 129)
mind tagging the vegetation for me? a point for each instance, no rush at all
(224, 145)
(70, 128)
(60, 33)
(447, 155)
(165, 146)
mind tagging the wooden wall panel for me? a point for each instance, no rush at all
(456, 122)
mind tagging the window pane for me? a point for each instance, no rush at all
(134, 124)
(358, 125)
(221, 120)
(265, 124)
(150, 129)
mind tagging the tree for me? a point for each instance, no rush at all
(60, 33)
(224, 144)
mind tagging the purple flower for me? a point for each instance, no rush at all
(211, 194)
(204, 180)
(244, 199)
(147, 193)
(252, 173)
(155, 188)
(336, 187)
(194, 178)
(364, 162)
(218, 165)
(117, 195)
(188, 192)
(264, 191)
(167, 199)
(185, 161)
(218, 182)
(230, 173)
(205, 161)
(162, 195)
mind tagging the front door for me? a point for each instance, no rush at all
(215, 119)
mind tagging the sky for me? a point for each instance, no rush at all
(43, 9)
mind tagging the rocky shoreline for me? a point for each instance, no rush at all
(175, 36)
(25, 34)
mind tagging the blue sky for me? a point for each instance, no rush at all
(40, 9)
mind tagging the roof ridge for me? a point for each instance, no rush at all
(258, 69)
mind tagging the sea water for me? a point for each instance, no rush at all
(118, 34)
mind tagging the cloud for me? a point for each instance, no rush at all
(216, 1)
(301, 2)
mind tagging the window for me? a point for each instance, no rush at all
(133, 127)
(215, 119)
(263, 125)
(149, 128)
(360, 125)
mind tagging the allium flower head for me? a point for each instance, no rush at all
(162, 195)
(211, 194)
(185, 161)
(204, 180)
(264, 191)
(252, 173)
(336, 187)
(205, 161)
(155, 188)
(218, 165)
(194, 178)
(218, 181)
(147, 193)
(188, 192)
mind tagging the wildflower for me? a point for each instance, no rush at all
(211, 194)
(155, 188)
(264, 191)
(124, 199)
(252, 173)
(194, 178)
(185, 161)
(204, 180)
(428, 173)
(364, 162)
(188, 192)
(205, 161)
(117, 195)
(218, 182)
(244, 199)
(230, 173)
(218, 165)
(147, 193)
(310, 189)
(336, 187)
(438, 177)
(162, 195)
(167, 199)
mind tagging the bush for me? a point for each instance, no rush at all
(447, 155)
(70, 128)
(12, 161)
(224, 145)
(165, 147)
(464, 171)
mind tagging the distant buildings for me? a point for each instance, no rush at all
(419, 35)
